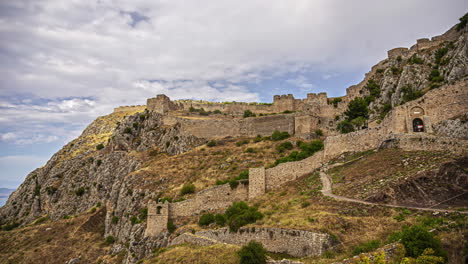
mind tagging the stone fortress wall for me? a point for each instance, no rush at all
(422, 44)
(297, 243)
(130, 108)
(396, 129)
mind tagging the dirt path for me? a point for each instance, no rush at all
(327, 191)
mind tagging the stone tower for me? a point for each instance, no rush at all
(158, 216)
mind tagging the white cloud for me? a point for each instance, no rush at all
(110, 51)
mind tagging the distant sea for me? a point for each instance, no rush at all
(4, 194)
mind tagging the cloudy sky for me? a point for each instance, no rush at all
(63, 63)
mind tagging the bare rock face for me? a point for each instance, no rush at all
(457, 128)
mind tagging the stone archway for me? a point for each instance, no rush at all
(418, 125)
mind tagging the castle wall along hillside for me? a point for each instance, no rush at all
(397, 129)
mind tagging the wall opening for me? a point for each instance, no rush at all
(158, 209)
(418, 125)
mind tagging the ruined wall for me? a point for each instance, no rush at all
(297, 243)
(235, 127)
(161, 104)
(217, 197)
(422, 141)
(130, 108)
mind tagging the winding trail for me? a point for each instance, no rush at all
(327, 191)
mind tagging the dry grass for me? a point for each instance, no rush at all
(204, 165)
(56, 242)
(189, 254)
(368, 175)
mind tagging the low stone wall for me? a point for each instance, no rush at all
(418, 141)
(297, 243)
(221, 196)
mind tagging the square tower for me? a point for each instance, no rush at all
(158, 216)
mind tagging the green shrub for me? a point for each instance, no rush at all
(114, 220)
(170, 226)
(242, 142)
(98, 162)
(43, 219)
(385, 109)
(211, 143)
(217, 112)
(80, 191)
(258, 138)
(356, 108)
(37, 190)
(284, 146)
(305, 204)
(345, 126)
(143, 214)
(319, 132)
(307, 150)
(374, 88)
(416, 239)
(248, 113)
(410, 94)
(220, 219)
(396, 70)
(11, 226)
(435, 76)
(463, 21)
(252, 253)
(206, 219)
(439, 54)
(276, 136)
(366, 247)
(127, 130)
(380, 70)
(335, 101)
(134, 220)
(51, 190)
(240, 214)
(187, 188)
(135, 125)
(415, 60)
(100, 146)
(250, 150)
(110, 240)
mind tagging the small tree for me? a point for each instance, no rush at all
(356, 108)
(252, 253)
(100, 146)
(206, 219)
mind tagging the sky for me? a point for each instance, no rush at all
(64, 63)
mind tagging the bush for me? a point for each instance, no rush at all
(356, 108)
(366, 247)
(134, 220)
(11, 226)
(187, 188)
(220, 219)
(410, 94)
(463, 21)
(240, 214)
(217, 112)
(319, 132)
(110, 240)
(170, 226)
(248, 113)
(135, 125)
(143, 214)
(416, 239)
(250, 150)
(434, 76)
(206, 219)
(252, 253)
(284, 146)
(80, 191)
(439, 54)
(345, 126)
(415, 60)
(242, 142)
(37, 190)
(307, 150)
(276, 136)
(114, 220)
(258, 138)
(374, 88)
(100, 146)
(335, 101)
(211, 143)
(127, 130)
